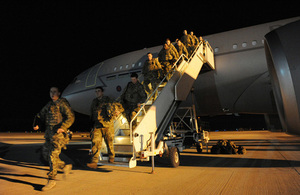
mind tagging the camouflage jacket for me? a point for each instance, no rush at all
(167, 55)
(151, 65)
(134, 93)
(182, 50)
(102, 112)
(58, 113)
(187, 40)
(195, 40)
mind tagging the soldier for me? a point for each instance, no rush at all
(187, 40)
(172, 47)
(133, 96)
(194, 38)
(181, 49)
(103, 110)
(151, 71)
(58, 117)
(167, 57)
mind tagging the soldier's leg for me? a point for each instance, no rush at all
(108, 136)
(146, 85)
(54, 154)
(46, 151)
(96, 144)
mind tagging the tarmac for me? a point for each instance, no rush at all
(270, 166)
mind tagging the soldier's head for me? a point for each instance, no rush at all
(134, 78)
(179, 43)
(185, 32)
(192, 33)
(150, 56)
(54, 93)
(99, 92)
(166, 46)
(168, 41)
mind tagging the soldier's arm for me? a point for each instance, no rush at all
(158, 64)
(68, 115)
(175, 50)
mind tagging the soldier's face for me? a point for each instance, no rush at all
(99, 93)
(149, 56)
(54, 93)
(133, 80)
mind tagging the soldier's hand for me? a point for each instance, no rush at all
(36, 128)
(60, 130)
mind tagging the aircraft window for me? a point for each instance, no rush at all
(132, 65)
(109, 78)
(123, 75)
(127, 65)
(254, 42)
(216, 50)
(115, 68)
(262, 41)
(121, 67)
(244, 44)
(234, 46)
(140, 63)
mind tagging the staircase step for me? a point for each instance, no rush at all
(119, 162)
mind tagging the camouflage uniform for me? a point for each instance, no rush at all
(187, 40)
(56, 115)
(167, 57)
(102, 112)
(182, 50)
(195, 40)
(151, 71)
(132, 95)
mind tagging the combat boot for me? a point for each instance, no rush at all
(111, 160)
(51, 184)
(92, 165)
(67, 169)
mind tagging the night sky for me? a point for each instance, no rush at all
(46, 43)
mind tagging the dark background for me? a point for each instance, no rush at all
(46, 43)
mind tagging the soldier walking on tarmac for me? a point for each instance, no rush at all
(133, 96)
(58, 117)
(103, 111)
(151, 71)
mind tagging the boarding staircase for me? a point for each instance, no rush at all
(154, 117)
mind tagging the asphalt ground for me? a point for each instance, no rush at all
(270, 166)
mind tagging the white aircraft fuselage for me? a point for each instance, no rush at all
(239, 84)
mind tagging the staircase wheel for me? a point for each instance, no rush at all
(199, 147)
(174, 157)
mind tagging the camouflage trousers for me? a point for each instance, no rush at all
(96, 135)
(51, 151)
(130, 111)
(152, 78)
(167, 66)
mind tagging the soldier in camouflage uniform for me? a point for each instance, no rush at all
(187, 40)
(172, 47)
(58, 117)
(194, 38)
(167, 58)
(151, 71)
(181, 49)
(133, 96)
(103, 110)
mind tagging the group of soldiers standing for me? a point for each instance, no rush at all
(155, 69)
(57, 114)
